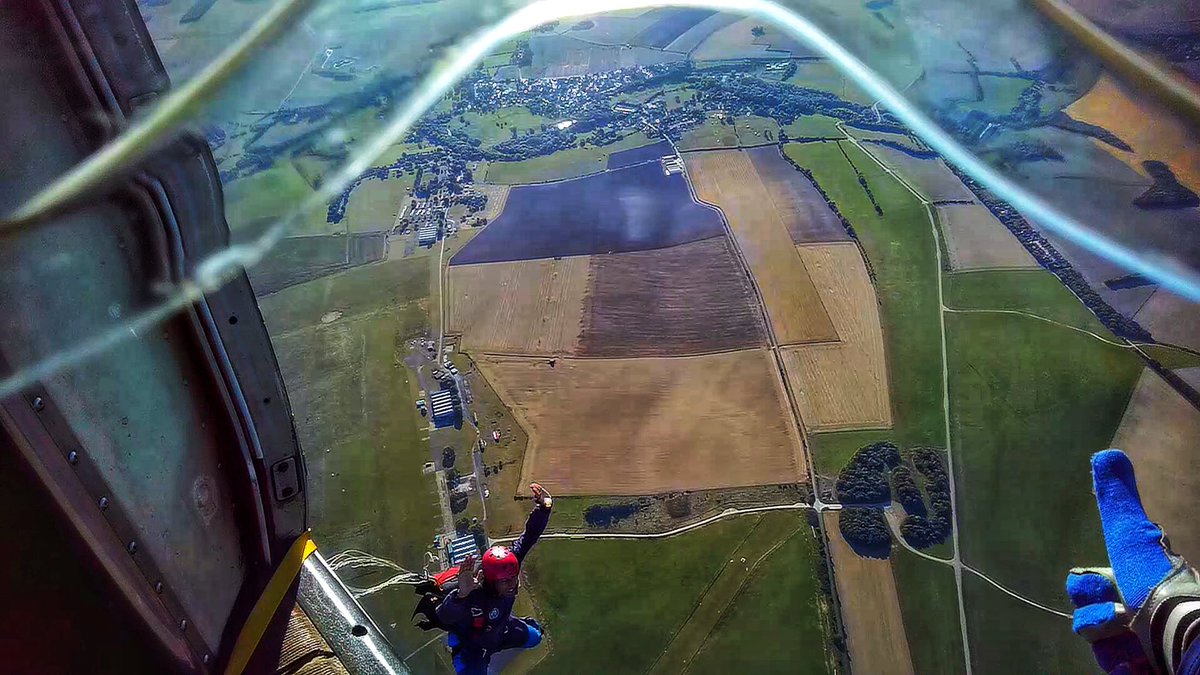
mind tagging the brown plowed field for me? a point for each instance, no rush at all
(875, 632)
(842, 385)
(527, 307)
(1161, 433)
(800, 205)
(727, 179)
(686, 299)
(644, 426)
(976, 240)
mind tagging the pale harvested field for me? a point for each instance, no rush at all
(727, 179)
(842, 385)
(875, 632)
(1171, 319)
(976, 240)
(1161, 433)
(644, 426)
(1147, 128)
(526, 307)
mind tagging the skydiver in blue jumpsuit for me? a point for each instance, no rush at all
(478, 613)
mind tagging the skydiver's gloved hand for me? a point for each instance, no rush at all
(1142, 615)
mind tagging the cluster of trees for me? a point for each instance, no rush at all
(865, 528)
(679, 506)
(1166, 192)
(927, 527)
(539, 143)
(785, 102)
(864, 479)
(907, 492)
(474, 202)
(1024, 150)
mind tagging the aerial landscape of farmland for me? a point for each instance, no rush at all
(827, 397)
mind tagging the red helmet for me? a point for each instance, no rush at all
(500, 563)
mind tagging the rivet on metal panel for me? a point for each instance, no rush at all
(103, 503)
(207, 658)
(38, 403)
(183, 624)
(73, 457)
(132, 547)
(158, 587)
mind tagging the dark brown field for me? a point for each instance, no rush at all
(687, 299)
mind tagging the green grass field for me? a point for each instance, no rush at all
(900, 247)
(1000, 94)
(693, 586)
(1030, 402)
(755, 130)
(825, 76)
(712, 133)
(374, 204)
(708, 619)
(569, 163)
(1009, 636)
(492, 128)
(677, 98)
(255, 201)
(929, 604)
(611, 606)
(1035, 291)
(812, 126)
(364, 443)
(390, 285)
(775, 626)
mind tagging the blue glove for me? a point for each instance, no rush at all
(1117, 607)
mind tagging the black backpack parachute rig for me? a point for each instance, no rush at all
(431, 590)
